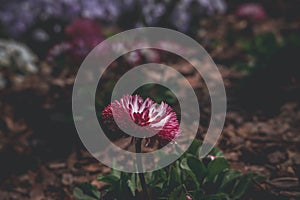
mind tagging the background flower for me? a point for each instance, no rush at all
(82, 36)
(251, 11)
(17, 57)
(18, 16)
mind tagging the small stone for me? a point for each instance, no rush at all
(67, 179)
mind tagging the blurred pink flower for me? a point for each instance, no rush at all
(134, 58)
(84, 34)
(251, 11)
(58, 50)
(148, 115)
(151, 55)
(188, 197)
(211, 157)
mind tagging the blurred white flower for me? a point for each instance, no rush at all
(17, 57)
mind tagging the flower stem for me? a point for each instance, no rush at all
(138, 148)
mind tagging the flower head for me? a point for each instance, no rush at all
(142, 116)
(252, 11)
(84, 35)
(188, 197)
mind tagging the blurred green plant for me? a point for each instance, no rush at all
(187, 178)
(158, 93)
(261, 49)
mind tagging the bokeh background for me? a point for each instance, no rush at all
(256, 45)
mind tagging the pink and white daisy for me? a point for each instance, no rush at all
(145, 117)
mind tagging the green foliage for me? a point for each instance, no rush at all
(158, 93)
(259, 49)
(187, 176)
(86, 192)
(262, 48)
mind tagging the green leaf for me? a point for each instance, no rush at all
(174, 177)
(215, 167)
(159, 186)
(194, 147)
(229, 177)
(177, 193)
(187, 170)
(109, 178)
(155, 177)
(197, 168)
(90, 190)
(123, 183)
(216, 152)
(115, 172)
(80, 195)
(132, 187)
(242, 185)
(219, 196)
(114, 181)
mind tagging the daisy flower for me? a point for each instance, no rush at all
(143, 116)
